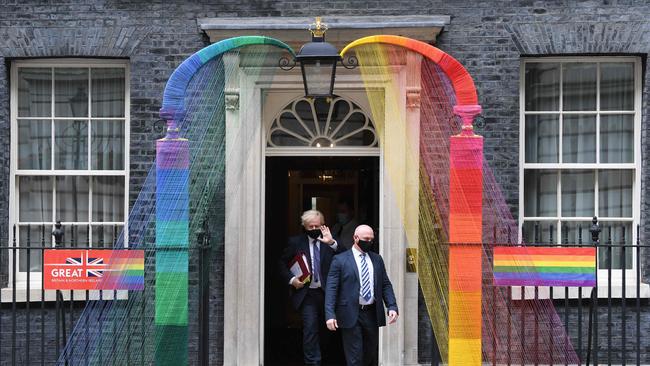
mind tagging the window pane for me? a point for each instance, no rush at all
(578, 193)
(542, 86)
(617, 138)
(539, 232)
(107, 145)
(75, 235)
(576, 232)
(34, 144)
(35, 199)
(33, 236)
(579, 139)
(615, 193)
(542, 138)
(71, 144)
(617, 86)
(72, 198)
(107, 92)
(108, 199)
(34, 92)
(540, 193)
(71, 92)
(105, 236)
(579, 86)
(621, 233)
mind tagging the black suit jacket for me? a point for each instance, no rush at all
(342, 291)
(300, 243)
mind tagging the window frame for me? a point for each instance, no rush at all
(15, 173)
(635, 167)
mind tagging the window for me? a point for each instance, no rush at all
(322, 123)
(580, 151)
(69, 153)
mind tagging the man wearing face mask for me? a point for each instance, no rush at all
(357, 289)
(346, 222)
(308, 298)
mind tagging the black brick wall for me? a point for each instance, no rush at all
(488, 37)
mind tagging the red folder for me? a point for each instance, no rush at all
(299, 267)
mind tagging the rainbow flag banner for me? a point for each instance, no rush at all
(544, 266)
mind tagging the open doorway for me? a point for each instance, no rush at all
(293, 185)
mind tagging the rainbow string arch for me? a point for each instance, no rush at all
(465, 204)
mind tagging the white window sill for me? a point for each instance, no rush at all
(559, 292)
(6, 294)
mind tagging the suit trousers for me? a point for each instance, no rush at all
(360, 342)
(314, 331)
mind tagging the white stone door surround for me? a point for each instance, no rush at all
(249, 103)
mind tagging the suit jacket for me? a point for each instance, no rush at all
(342, 291)
(297, 244)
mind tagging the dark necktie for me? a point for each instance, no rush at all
(316, 262)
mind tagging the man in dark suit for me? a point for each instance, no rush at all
(308, 298)
(357, 289)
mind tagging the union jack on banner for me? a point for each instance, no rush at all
(92, 266)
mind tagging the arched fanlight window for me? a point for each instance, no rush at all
(322, 123)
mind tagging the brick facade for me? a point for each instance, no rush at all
(488, 37)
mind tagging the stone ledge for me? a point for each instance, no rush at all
(342, 29)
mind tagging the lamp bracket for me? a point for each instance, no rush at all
(350, 62)
(286, 64)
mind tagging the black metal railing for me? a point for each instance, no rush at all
(36, 325)
(581, 310)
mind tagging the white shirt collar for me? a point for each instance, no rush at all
(356, 251)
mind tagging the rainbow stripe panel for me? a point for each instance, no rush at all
(172, 239)
(127, 270)
(544, 266)
(465, 236)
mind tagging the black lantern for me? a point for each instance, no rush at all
(318, 61)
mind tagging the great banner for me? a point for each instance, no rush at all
(94, 269)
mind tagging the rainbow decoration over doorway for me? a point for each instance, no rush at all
(173, 202)
(465, 205)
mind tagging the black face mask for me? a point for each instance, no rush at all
(365, 245)
(314, 234)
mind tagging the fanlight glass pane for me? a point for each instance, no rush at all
(322, 123)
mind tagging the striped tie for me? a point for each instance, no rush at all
(365, 279)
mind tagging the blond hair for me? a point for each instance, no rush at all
(310, 214)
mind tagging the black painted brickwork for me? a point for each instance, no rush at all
(488, 37)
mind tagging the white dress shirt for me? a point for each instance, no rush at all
(313, 242)
(371, 272)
